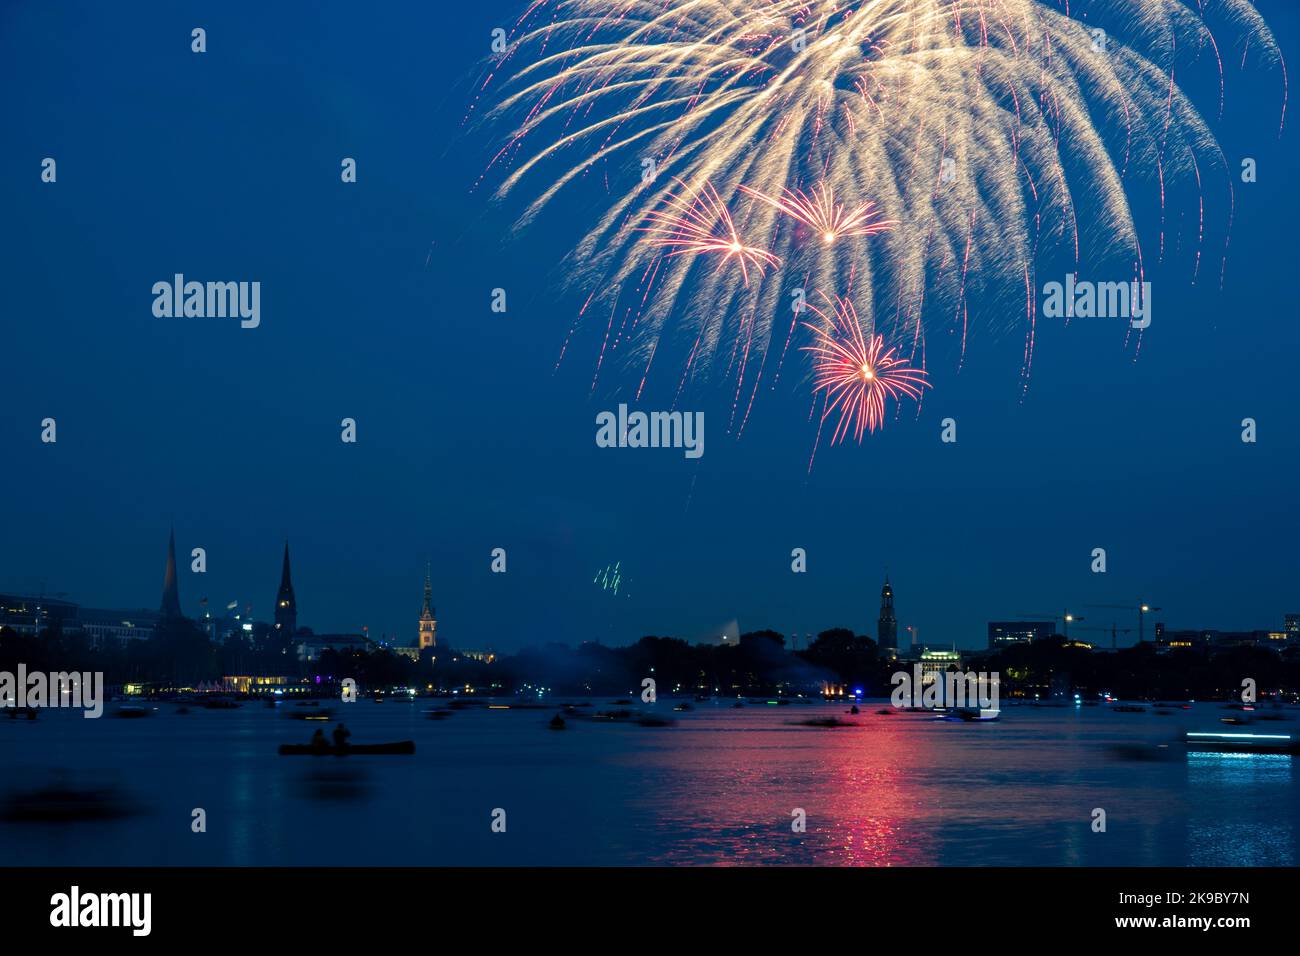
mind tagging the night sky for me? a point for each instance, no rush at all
(376, 306)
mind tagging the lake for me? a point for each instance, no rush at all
(717, 787)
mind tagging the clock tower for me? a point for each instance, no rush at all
(428, 626)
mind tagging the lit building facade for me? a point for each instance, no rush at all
(1004, 633)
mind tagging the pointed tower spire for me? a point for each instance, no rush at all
(286, 605)
(887, 623)
(428, 635)
(171, 596)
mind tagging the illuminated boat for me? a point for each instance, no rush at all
(972, 714)
(1222, 741)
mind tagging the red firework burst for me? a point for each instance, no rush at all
(857, 372)
(824, 216)
(698, 223)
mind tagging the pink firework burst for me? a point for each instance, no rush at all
(698, 222)
(858, 374)
(829, 219)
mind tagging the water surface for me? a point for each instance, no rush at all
(717, 787)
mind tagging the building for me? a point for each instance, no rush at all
(937, 661)
(25, 614)
(262, 685)
(112, 624)
(428, 634)
(1247, 638)
(31, 615)
(1166, 638)
(170, 609)
(1293, 625)
(310, 646)
(286, 605)
(887, 624)
(1004, 633)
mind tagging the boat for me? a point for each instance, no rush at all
(132, 710)
(684, 705)
(1241, 742)
(441, 713)
(15, 712)
(61, 803)
(320, 713)
(1144, 752)
(649, 721)
(557, 723)
(220, 703)
(854, 709)
(1129, 709)
(972, 714)
(298, 750)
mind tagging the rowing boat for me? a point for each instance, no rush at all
(299, 750)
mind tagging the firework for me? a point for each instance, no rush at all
(610, 578)
(856, 373)
(827, 219)
(699, 222)
(995, 131)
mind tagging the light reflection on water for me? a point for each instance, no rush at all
(717, 787)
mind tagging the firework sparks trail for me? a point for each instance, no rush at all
(698, 223)
(610, 578)
(824, 216)
(993, 133)
(857, 373)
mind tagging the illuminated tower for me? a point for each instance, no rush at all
(887, 625)
(286, 606)
(171, 596)
(428, 626)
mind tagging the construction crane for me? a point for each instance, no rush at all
(1065, 617)
(1142, 608)
(1113, 630)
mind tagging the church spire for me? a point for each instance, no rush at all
(428, 592)
(286, 605)
(887, 623)
(171, 597)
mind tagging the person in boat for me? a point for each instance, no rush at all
(341, 735)
(318, 741)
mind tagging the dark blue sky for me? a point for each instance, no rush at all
(375, 305)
